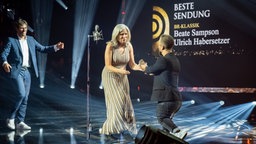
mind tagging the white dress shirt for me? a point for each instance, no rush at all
(25, 52)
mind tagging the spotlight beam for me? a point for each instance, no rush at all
(62, 4)
(200, 110)
(130, 11)
(84, 14)
(42, 23)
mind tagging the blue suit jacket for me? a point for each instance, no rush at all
(13, 55)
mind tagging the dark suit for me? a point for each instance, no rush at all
(165, 89)
(20, 76)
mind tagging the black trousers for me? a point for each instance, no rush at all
(165, 112)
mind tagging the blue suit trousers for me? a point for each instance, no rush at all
(21, 86)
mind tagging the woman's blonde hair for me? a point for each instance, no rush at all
(117, 29)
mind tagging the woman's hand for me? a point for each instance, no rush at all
(125, 72)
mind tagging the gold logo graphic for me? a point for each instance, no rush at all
(160, 22)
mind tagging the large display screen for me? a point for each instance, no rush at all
(214, 40)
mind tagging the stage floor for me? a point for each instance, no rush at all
(64, 126)
(59, 115)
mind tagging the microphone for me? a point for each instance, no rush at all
(97, 33)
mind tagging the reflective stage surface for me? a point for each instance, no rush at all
(58, 115)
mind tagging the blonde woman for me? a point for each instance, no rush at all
(118, 54)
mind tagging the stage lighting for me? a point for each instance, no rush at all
(72, 86)
(71, 131)
(192, 102)
(100, 86)
(222, 102)
(41, 86)
(134, 8)
(41, 138)
(254, 102)
(82, 27)
(10, 13)
(72, 137)
(40, 130)
(62, 4)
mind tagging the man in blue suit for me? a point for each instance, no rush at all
(165, 87)
(17, 58)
